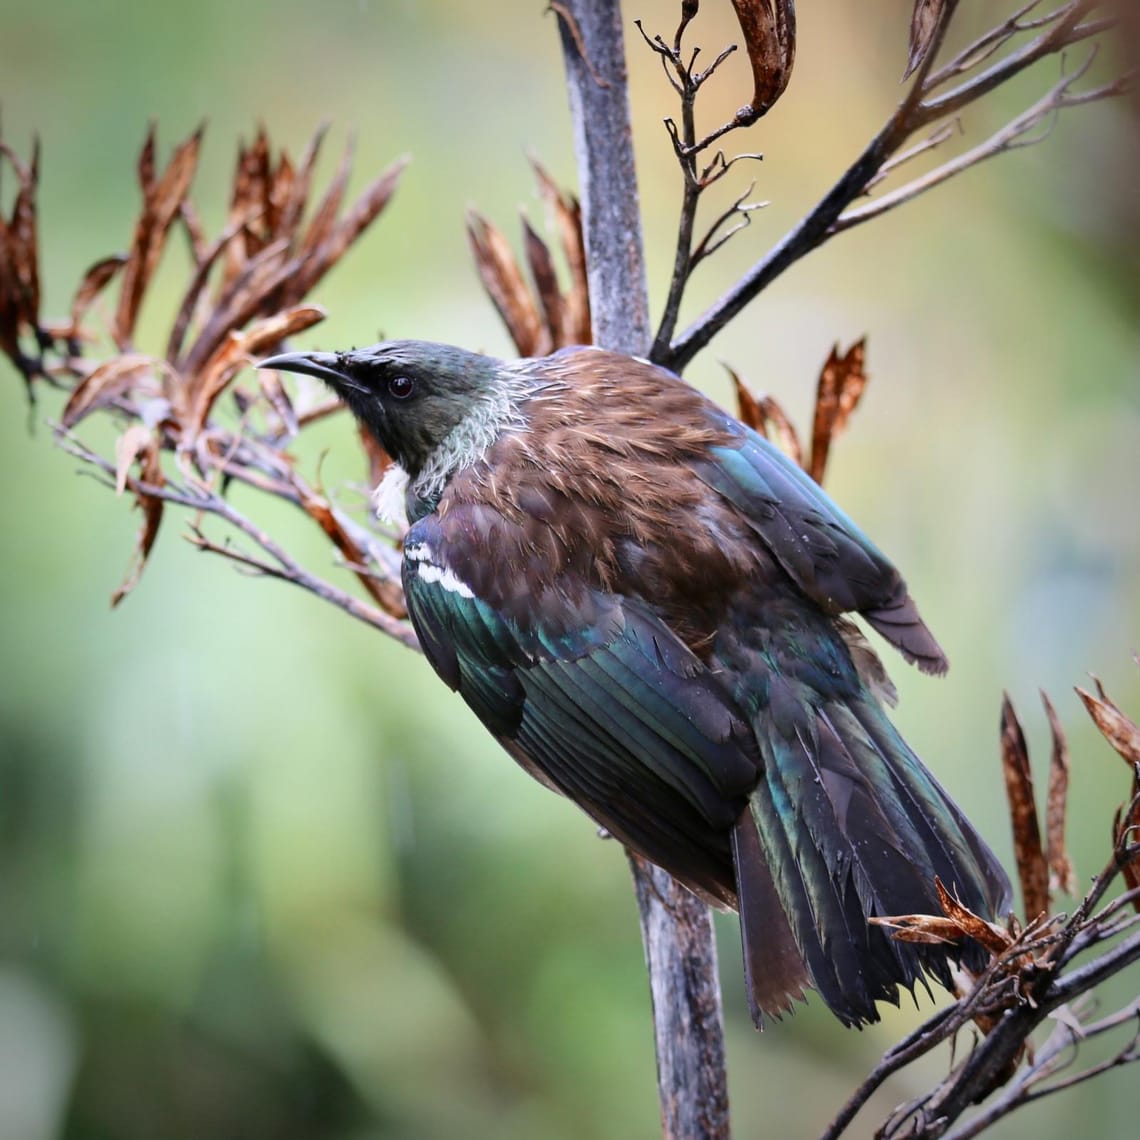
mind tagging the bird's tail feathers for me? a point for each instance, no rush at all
(899, 621)
(846, 823)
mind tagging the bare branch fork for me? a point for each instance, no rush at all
(927, 105)
(687, 82)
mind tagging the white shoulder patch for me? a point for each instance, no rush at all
(446, 577)
(389, 497)
(421, 556)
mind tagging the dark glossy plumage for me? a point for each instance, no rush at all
(642, 599)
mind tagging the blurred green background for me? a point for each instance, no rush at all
(260, 874)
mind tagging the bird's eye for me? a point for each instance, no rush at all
(401, 387)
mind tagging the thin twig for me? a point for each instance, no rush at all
(813, 229)
(741, 209)
(987, 44)
(1030, 1084)
(202, 498)
(1064, 31)
(919, 108)
(934, 140)
(686, 81)
(1013, 135)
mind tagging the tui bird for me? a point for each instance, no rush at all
(643, 600)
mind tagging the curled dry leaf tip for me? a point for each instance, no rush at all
(842, 382)
(925, 20)
(769, 29)
(19, 262)
(1032, 868)
(1062, 873)
(550, 317)
(138, 444)
(765, 415)
(1118, 729)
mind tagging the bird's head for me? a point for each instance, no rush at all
(411, 395)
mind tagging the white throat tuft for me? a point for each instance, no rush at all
(389, 497)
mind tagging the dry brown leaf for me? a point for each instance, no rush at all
(993, 937)
(135, 440)
(567, 215)
(841, 385)
(747, 406)
(1126, 836)
(1122, 733)
(324, 218)
(95, 280)
(267, 333)
(545, 283)
(504, 283)
(302, 180)
(196, 234)
(162, 203)
(233, 353)
(246, 205)
(146, 160)
(138, 443)
(769, 28)
(1032, 869)
(557, 318)
(111, 379)
(280, 195)
(764, 415)
(278, 399)
(781, 426)
(360, 215)
(23, 239)
(924, 21)
(244, 298)
(930, 928)
(206, 260)
(1062, 875)
(19, 254)
(169, 196)
(9, 303)
(955, 923)
(1119, 730)
(258, 190)
(748, 409)
(386, 593)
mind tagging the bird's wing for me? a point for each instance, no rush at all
(590, 688)
(824, 553)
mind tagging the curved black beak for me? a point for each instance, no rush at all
(324, 365)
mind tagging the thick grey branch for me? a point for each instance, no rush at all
(676, 927)
(594, 53)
